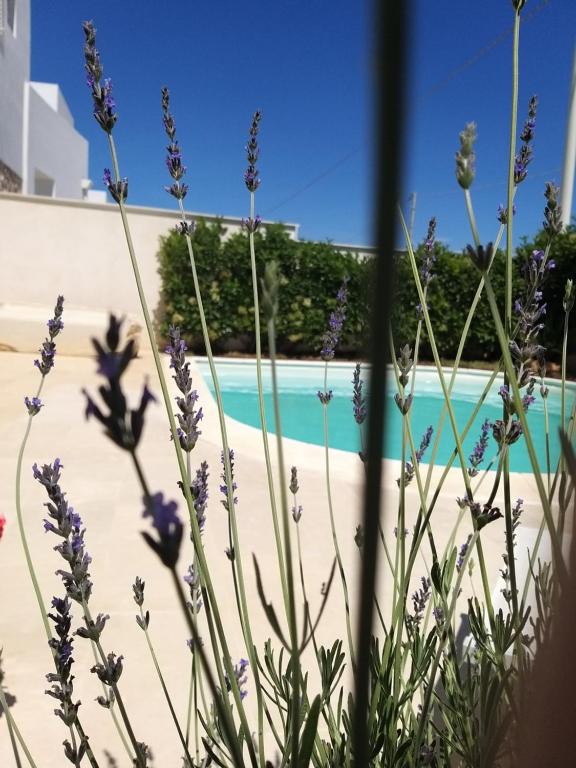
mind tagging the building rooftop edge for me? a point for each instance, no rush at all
(142, 209)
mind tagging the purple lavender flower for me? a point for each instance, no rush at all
(251, 225)
(33, 405)
(176, 168)
(62, 681)
(251, 178)
(48, 348)
(331, 337)
(424, 444)
(358, 399)
(324, 397)
(429, 255)
(419, 601)
(240, 670)
(189, 417)
(167, 525)
(524, 156)
(118, 189)
(438, 615)
(224, 486)
(67, 525)
(122, 425)
(503, 214)
(103, 101)
(477, 456)
(199, 490)
(528, 397)
(462, 553)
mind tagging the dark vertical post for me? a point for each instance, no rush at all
(390, 49)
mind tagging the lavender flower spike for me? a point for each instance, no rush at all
(48, 348)
(335, 323)
(224, 487)
(176, 168)
(241, 677)
(477, 456)
(67, 525)
(252, 151)
(188, 418)
(168, 527)
(103, 101)
(33, 405)
(524, 156)
(424, 443)
(358, 399)
(429, 256)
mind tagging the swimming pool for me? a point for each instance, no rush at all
(302, 417)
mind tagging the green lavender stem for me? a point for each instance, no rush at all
(13, 740)
(333, 524)
(165, 689)
(271, 492)
(292, 624)
(15, 729)
(481, 561)
(502, 338)
(181, 465)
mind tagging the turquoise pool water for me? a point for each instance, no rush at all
(301, 411)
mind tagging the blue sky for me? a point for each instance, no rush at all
(308, 65)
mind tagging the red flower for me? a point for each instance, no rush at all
(2, 524)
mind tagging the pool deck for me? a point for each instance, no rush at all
(102, 486)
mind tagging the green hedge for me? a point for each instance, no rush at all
(311, 276)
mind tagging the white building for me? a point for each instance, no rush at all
(41, 153)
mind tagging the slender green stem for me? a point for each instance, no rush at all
(292, 624)
(556, 549)
(471, 217)
(224, 712)
(164, 688)
(451, 416)
(181, 465)
(423, 716)
(74, 747)
(262, 409)
(237, 563)
(140, 758)
(22, 530)
(333, 524)
(547, 438)
(13, 742)
(15, 729)
(26, 548)
(115, 720)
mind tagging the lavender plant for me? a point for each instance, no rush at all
(434, 698)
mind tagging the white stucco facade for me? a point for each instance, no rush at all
(41, 152)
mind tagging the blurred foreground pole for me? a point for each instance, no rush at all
(391, 55)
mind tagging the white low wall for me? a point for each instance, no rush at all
(50, 246)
